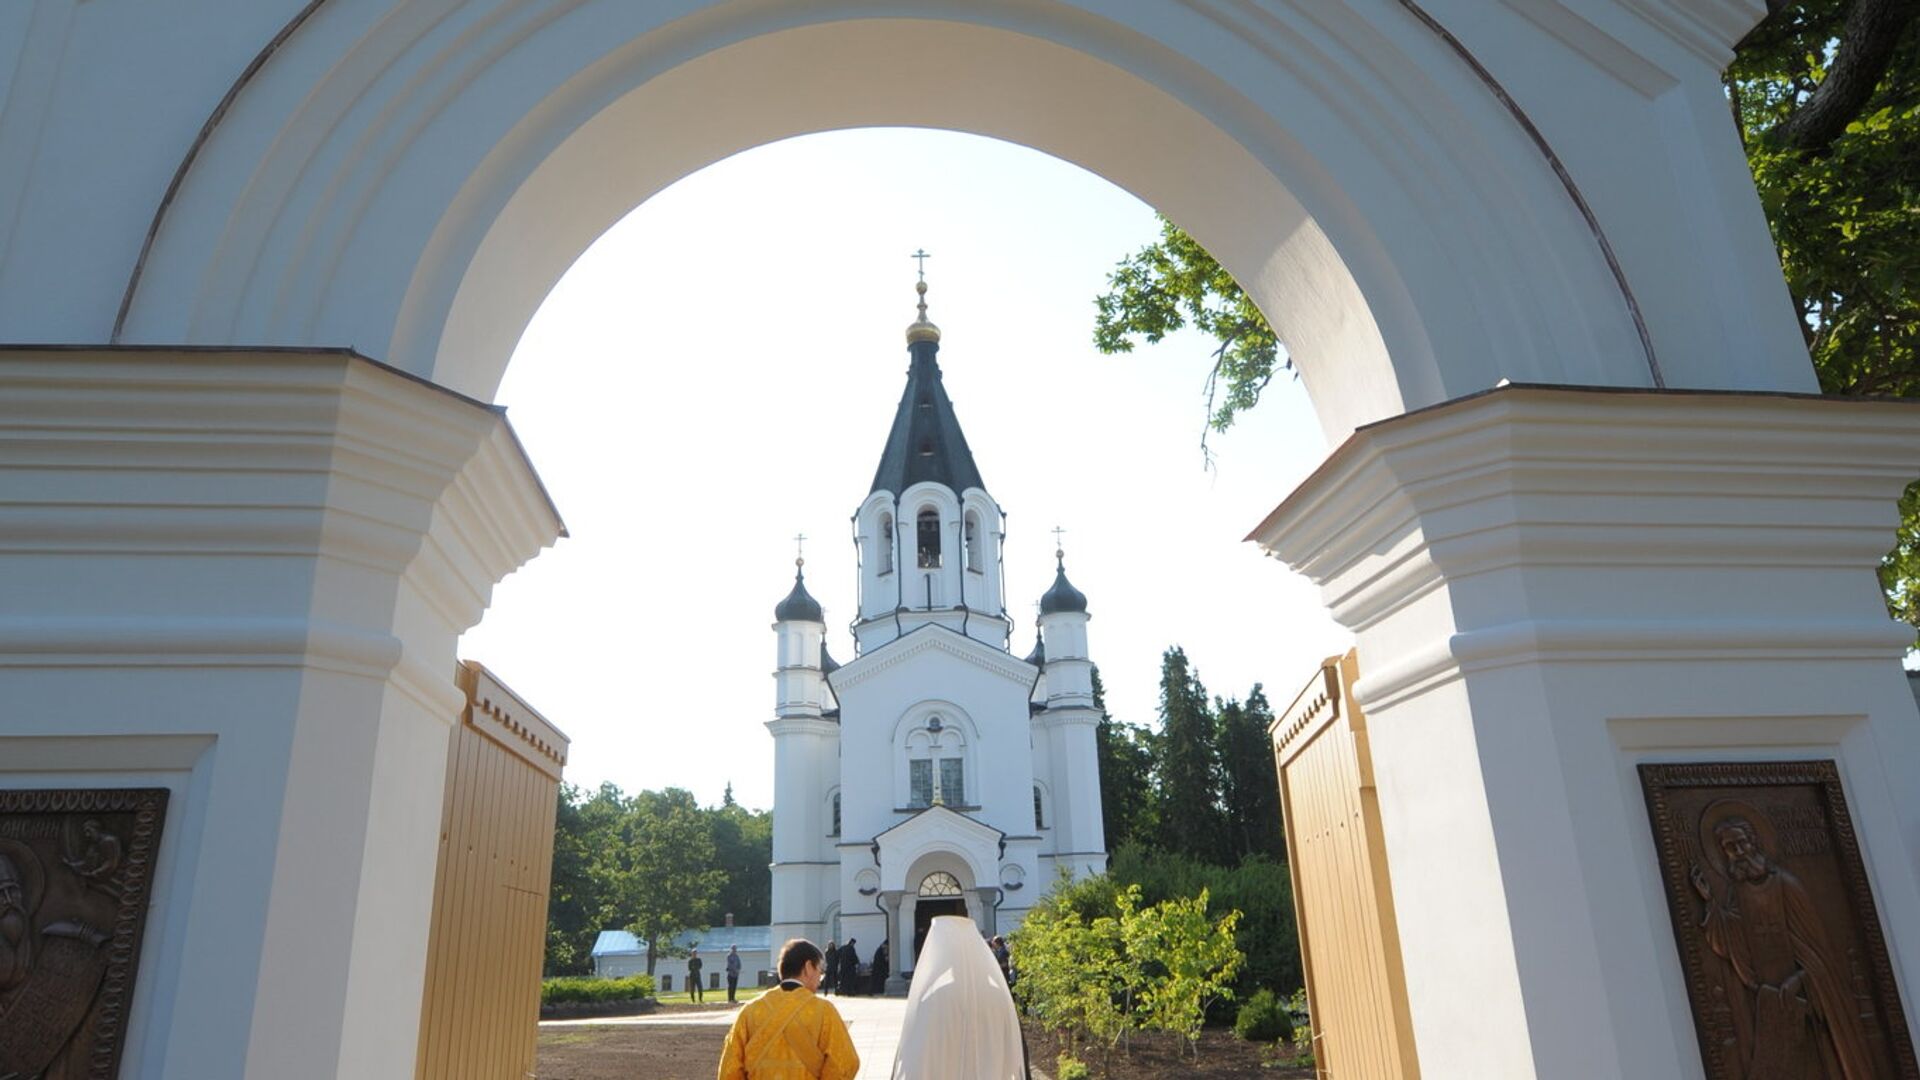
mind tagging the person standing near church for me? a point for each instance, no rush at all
(880, 968)
(789, 1032)
(830, 968)
(733, 972)
(693, 975)
(849, 968)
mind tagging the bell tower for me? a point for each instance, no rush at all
(928, 533)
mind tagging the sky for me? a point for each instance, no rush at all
(717, 373)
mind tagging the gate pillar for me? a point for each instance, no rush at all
(239, 575)
(1551, 587)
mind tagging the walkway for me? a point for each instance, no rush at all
(873, 1022)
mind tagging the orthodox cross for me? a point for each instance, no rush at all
(1059, 549)
(921, 257)
(799, 549)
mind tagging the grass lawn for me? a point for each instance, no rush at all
(713, 997)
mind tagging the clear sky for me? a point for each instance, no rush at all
(718, 372)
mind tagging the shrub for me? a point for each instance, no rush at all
(577, 988)
(1263, 1018)
(1071, 1068)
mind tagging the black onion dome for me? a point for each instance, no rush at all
(799, 606)
(1038, 657)
(828, 665)
(1063, 596)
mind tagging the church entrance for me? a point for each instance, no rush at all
(940, 894)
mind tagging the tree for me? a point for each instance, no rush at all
(1826, 96)
(743, 853)
(662, 869)
(1189, 803)
(576, 895)
(1126, 757)
(1249, 780)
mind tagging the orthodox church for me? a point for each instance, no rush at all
(934, 773)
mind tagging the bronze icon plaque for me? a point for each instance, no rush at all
(1786, 968)
(75, 867)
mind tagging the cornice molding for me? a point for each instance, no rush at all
(504, 716)
(931, 638)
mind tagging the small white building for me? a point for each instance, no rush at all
(937, 772)
(618, 954)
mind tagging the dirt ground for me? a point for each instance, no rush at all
(671, 1052)
(653, 1052)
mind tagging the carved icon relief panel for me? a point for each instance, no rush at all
(75, 868)
(1787, 971)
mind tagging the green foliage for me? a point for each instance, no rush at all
(1249, 779)
(1100, 971)
(1261, 889)
(1189, 809)
(1302, 1036)
(1263, 1018)
(573, 988)
(1838, 175)
(656, 863)
(1069, 1067)
(1174, 283)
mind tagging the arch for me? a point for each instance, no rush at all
(940, 883)
(926, 537)
(1390, 217)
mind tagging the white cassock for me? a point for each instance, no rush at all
(961, 1024)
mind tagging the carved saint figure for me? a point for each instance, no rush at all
(1796, 1019)
(17, 902)
(51, 964)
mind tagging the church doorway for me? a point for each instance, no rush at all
(939, 894)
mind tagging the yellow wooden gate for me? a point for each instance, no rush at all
(480, 1012)
(1342, 895)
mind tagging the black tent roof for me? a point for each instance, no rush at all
(925, 443)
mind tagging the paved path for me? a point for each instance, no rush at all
(873, 1022)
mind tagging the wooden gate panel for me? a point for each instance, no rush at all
(1343, 896)
(480, 1009)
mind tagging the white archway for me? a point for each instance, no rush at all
(1392, 218)
(283, 576)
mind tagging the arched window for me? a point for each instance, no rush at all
(975, 545)
(886, 544)
(940, 883)
(928, 529)
(1039, 814)
(836, 813)
(936, 765)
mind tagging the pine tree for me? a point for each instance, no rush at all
(1189, 806)
(1126, 756)
(1249, 782)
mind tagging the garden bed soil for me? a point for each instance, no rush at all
(1157, 1055)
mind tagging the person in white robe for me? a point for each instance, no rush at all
(961, 1023)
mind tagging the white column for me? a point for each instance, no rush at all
(1551, 586)
(240, 575)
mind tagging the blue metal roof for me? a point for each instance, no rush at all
(714, 940)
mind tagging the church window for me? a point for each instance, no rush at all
(953, 781)
(929, 539)
(1039, 817)
(976, 560)
(939, 883)
(666, 981)
(886, 543)
(920, 782)
(836, 815)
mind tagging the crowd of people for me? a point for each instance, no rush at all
(846, 975)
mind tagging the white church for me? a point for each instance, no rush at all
(936, 773)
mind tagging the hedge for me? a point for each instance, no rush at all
(577, 988)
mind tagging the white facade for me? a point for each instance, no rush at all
(935, 765)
